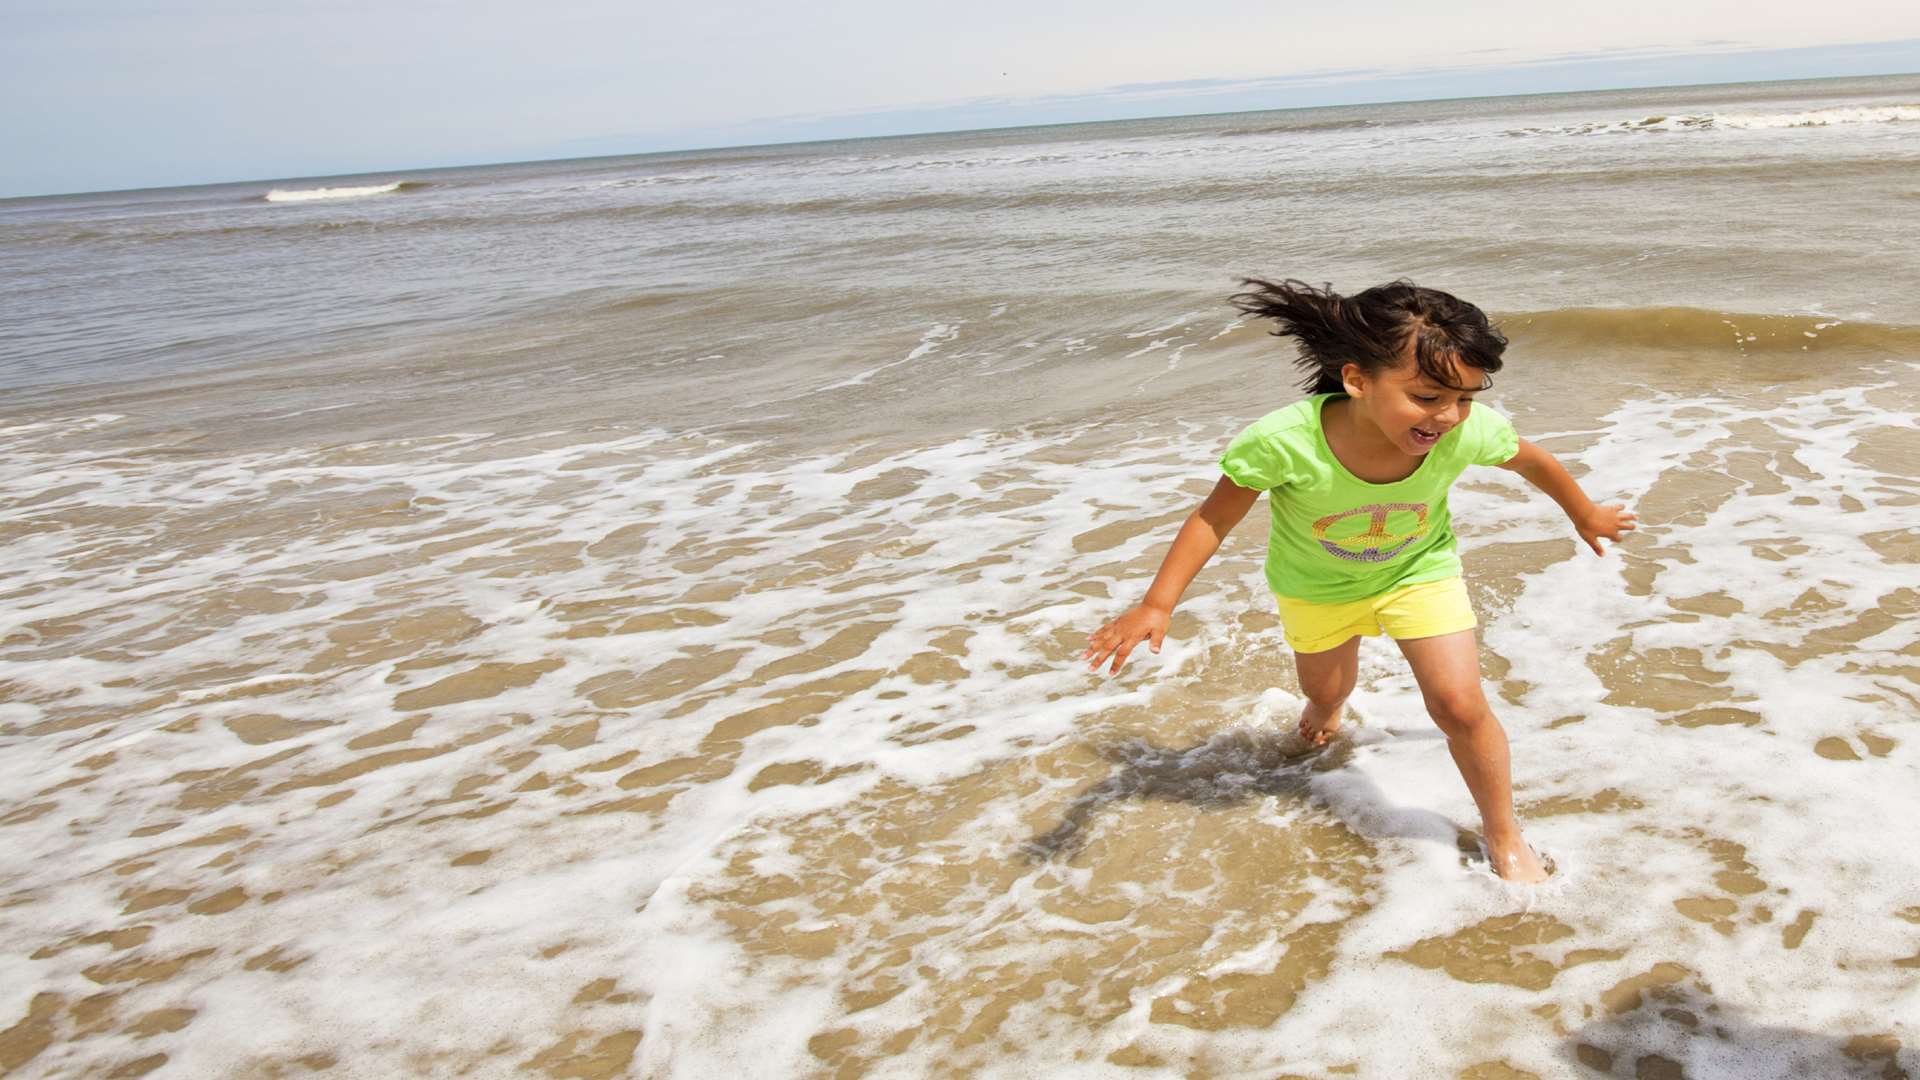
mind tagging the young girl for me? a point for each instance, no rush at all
(1357, 476)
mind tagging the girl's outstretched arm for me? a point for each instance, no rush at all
(1199, 538)
(1591, 521)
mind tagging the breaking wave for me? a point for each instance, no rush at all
(314, 194)
(1806, 118)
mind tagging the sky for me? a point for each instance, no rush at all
(108, 94)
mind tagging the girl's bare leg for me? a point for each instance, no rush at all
(1326, 680)
(1448, 671)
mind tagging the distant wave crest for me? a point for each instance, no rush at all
(311, 194)
(1299, 127)
(1860, 114)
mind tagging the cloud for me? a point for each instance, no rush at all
(1197, 95)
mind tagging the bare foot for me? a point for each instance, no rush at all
(1516, 862)
(1317, 727)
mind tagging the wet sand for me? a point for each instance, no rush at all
(654, 755)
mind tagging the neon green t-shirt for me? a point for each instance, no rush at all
(1336, 537)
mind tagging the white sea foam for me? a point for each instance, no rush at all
(1886, 114)
(312, 194)
(183, 596)
(1744, 121)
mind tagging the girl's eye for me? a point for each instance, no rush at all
(1426, 399)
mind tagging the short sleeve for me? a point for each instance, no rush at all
(1253, 461)
(1495, 441)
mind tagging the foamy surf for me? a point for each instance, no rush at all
(314, 194)
(476, 753)
(1749, 121)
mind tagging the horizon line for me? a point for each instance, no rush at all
(943, 131)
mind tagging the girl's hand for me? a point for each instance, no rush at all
(1609, 521)
(1118, 637)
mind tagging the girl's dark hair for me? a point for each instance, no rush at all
(1374, 329)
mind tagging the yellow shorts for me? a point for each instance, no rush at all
(1428, 609)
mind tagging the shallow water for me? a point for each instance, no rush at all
(464, 753)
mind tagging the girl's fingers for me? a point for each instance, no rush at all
(1097, 652)
(1127, 645)
(1107, 647)
(1110, 642)
(1097, 645)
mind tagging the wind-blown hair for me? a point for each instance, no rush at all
(1376, 329)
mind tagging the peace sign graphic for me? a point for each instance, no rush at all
(1375, 544)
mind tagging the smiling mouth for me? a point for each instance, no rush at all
(1421, 435)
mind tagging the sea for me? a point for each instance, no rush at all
(622, 617)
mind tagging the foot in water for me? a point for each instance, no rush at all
(1318, 726)
(1516, 862)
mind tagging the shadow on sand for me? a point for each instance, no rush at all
(1666, 1025)
(1231, 768)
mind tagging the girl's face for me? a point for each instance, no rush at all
(1410, 409)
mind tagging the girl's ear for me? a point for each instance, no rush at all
(1354, 378)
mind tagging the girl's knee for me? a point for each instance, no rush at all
(1328, 699)
(1330, 691)
(1460, 711)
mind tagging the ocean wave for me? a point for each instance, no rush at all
(1806, 118)
(1698, 328)
(1885, 114)
(1299, 127)
(661, 178)
(313, 194)
(1185, 194)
